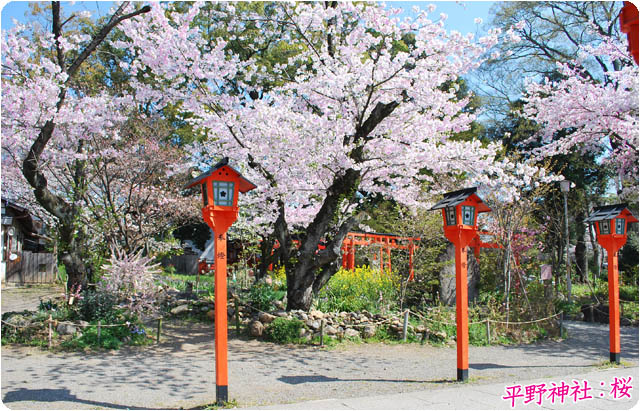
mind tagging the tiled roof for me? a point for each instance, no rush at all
(605, 212)
(245, 185)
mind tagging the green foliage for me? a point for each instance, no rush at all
(328, 341)
(179, 281)
(629, 292)
(364, 288)
(62, 273)
(263, 295)
(628, 262)
(111, 338)
(47, 305)
(98, 306)
(284, 331)
(383, 334)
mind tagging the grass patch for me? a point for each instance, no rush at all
(215, 406)
(284, 331)
(604, 364)
(111, 338)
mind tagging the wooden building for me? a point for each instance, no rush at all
(24, 259)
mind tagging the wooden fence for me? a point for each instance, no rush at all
(32, 268)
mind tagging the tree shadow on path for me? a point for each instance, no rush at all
(55, 395)
(301, 379)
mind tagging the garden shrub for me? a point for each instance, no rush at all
(98, 306)
(111, 338)
(364, 288)
(284, 331)
(129, 278)
(263, 295)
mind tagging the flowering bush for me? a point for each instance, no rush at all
(129, 277)
(364, 288)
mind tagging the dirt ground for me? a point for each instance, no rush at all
(22, 298)
(180, 371)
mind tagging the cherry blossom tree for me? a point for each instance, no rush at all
(48, 123)
(584, 114)
(362, 111)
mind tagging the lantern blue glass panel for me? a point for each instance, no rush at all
(205, 195)
(223, 193)
(605, 227)
(468, 215)
(450, 213)
(620, 223)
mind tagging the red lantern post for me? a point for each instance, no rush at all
(611, 224)
(460, 211)
(220, 187)
(629, 25)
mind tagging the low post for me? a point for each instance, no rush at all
(159, 330)
(405, 325)
(50, 320)
(321, 333)
(99, 330)
(488, 333)
(237, 314)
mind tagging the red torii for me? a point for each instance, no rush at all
(477, 243)
(388, 241)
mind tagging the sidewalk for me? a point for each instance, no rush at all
(489, 396)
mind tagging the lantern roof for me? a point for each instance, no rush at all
(457, 197)
(609, 212)
(243, 186)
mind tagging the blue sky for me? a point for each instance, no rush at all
(461, 13)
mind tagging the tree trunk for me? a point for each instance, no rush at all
(581, 247)
(314, 268)
(71, 238)
(596, 254)
(266, 258)
(447, 275)
(473, 276)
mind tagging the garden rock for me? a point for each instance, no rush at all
(266, 318)
(180, 309)
(19, 320)
(441, 335)
(211, 315)
(66, 329)
(256, 329)
(279, 305)
(330, 330)
(83, 324)
(281, 313)
(318, 315)
(351, 333)
(314, 325)
(369, 331)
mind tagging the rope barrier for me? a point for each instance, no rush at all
(489, 320)
(127, 323)
(525, 322)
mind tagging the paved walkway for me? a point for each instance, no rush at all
(179, 372)
(608, 389)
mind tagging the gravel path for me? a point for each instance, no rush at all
(179, 372)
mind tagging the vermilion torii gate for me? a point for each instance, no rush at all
(386, 241)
